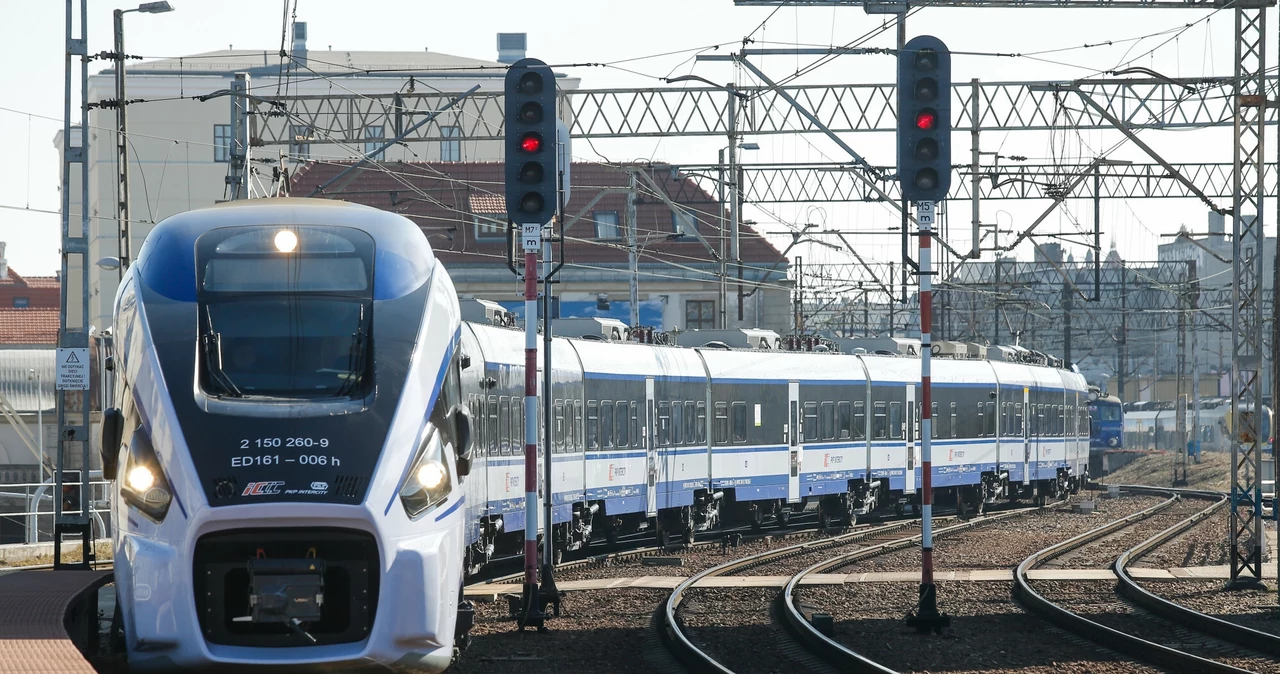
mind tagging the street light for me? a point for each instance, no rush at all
(122, 139)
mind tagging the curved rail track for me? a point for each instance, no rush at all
(1124, 641)
(896, 536)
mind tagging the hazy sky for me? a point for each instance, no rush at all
(1188, 43)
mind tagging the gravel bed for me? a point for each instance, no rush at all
(989, 632)
(1098, 601)
(1003, 545)
(734, 626)
(693, 560)
(1205, 544)
(596, 632)
(1100, 554)
(1251, 608)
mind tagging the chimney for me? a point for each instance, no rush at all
(300, 42)
(511, 47)
(1217, 225)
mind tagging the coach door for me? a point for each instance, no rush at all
(795, 432)
(651, 450)
(1027, 412)
(909, 434)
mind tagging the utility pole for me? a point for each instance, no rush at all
(1180, 400)
(975, 179)
(124, 245)
(1097, 231)
(735, 209)
(1194, 309)
(1066, 323)
(1123, 368)
(633, 254)
(891, 299)
(995, 310)
(799, 315)
(724, 275)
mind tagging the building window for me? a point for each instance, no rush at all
(222, 142)
(699, 314)
(371, 148)
(606, 224)
(683, 221)
(490, 226)
(450, 150)
(21, 302)
(300, 146)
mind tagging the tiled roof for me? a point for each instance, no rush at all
(16, 279)
(442, 197)
(28, 326)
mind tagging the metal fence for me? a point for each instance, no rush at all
(27, 508)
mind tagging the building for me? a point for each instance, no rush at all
(32, 292)
(181, 140)
(681, 239)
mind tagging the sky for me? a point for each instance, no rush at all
(640, 43)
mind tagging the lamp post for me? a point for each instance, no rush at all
(122, 140)
(34, 375)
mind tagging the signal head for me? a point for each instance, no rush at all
(926, 119)
(531, 202)
(926, 179)
(531, 173)
(926, 90)
(531, 142)
(531, 113)
(926, 149)
(530, 84)
(926, 59)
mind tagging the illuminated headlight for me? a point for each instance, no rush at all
(427, 484)
(145, 486)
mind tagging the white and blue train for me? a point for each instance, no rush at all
(312, 449)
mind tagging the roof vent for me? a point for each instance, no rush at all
(512, 47)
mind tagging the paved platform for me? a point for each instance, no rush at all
(991, 575)
(33, 630)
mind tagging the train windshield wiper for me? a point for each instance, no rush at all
(213, 359)
(356, 358)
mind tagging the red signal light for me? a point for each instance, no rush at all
(531, 142)
(926, 120)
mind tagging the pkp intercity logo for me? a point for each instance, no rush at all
(262, 488)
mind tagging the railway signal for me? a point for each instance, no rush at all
(924, 119)
(924, 174)
(531, 167)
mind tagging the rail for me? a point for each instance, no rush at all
(1098, 632)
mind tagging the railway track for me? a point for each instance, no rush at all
(1129, 619)
(804, 642)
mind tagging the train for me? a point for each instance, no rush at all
(1154, 425)
(312, 449)
(1106, 427)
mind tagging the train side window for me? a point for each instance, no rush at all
(1017, 420)
(517, 425)
(844, 420)
(690, 423)
(677, 423)
(494, 433)
(593, 426)
(739, 423)
(664, 424)
(827, 417)
(606, 424)
(622, 437)
(982, 425)
(880, 423)
(991, 419)
(810, 423)
(504, 425)
(721, 429)
(896, 423)
(558, 427)
(935, 421)
(638, 433)
(700, 419)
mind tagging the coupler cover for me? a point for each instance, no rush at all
(286, 590)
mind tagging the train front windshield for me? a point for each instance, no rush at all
(1104, 412)
(285, 312)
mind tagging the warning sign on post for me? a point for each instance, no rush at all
(73, 370)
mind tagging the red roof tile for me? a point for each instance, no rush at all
(29, 326)
(442, 198)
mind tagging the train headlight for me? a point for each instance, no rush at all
(428, 483)
(145, 486)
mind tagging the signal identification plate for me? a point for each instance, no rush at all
(531, 236)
